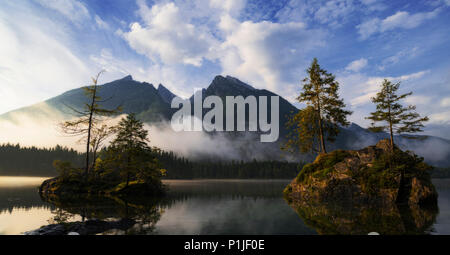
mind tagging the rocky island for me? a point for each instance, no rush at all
(360, 191)
(365, 176)
(127, 167)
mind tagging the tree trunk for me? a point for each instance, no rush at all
(322, 141)
(128, 170)
(390, 127)
(94, 157)
(392, 137)
(86, 171)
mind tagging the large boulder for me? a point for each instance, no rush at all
(368, 190)
(77, 187)
(372, 175)
(88, 227)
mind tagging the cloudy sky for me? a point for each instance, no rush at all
(50, 46)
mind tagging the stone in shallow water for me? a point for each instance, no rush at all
(52, 229)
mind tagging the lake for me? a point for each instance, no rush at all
(254, 207)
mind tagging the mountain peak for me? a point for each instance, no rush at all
(219, 80)
(127, 78)
(165, 93)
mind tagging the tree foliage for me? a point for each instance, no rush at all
(16, 160)
(324, 113)
(31, 161)
(88, 121)
(391, 115)
(304, 131)
(129, 153)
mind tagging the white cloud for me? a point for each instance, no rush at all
(35, 62)
(357, 65)
(394, 59)
(265, 54)
(445, 102)
(358, 88)
(401, 19)
(73, 10)
(167, 37)
(405, 20)
(106, 61)
(441, 118)
(332, 11)
(229, 6)
(101, 23)
(412, 76)
(374, 5)
(418, 100)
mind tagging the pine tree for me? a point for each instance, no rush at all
(88, 119)
(304, 129)
(394, 116)
(320, 91)
(130, 152)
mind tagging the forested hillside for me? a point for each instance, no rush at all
(31, 161)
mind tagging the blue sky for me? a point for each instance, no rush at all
(50, 46)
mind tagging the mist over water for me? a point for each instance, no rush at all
(223, 145)
(434, 150)
(38, 127)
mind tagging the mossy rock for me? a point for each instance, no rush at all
(366, 176)
(138, 188)
(63, 189)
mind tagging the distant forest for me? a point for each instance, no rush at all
(16, 160)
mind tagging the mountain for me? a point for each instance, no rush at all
(152, 105)
(134, 97)
(165, 94)
(230, 86)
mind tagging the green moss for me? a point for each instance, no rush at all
(322, 166)
(287, 190)
(306, 171)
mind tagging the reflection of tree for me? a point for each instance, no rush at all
(26, 198)
(112, 215)
(389, 219)
(60, 216)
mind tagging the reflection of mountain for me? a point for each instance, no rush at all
(153, 106)
(387, 220)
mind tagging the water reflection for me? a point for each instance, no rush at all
(112, 215)
(21, 208)
(388, 219)
(193, 207)
(215, 207)
(253, 207)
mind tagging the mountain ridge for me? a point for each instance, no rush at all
(152, 105)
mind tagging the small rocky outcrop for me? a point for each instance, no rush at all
(371, 175)
(64, 188)
(89, 227)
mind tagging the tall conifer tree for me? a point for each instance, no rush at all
(320, 92)
(393, 116)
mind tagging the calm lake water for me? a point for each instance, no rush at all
(191, 207)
